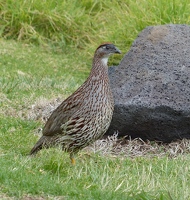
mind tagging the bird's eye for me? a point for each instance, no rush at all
(105, 47)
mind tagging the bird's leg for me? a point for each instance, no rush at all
(72, 158)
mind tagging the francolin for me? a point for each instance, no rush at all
(85, 115)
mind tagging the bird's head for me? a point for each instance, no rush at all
(105, 50)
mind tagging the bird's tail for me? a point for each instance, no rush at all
(42, 142)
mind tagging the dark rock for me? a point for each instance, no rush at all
(151, 86)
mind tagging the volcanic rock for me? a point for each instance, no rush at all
(151, 86)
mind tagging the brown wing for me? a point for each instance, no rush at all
(62, 114)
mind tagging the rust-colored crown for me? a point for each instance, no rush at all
(104, 43)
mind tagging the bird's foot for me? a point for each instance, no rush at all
(73, 162)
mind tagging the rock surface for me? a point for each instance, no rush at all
(151, 86)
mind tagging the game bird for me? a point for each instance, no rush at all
(84, 116)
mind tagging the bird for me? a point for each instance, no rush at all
(84, 116)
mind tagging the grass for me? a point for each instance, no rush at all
(86, 23)
(51, 175)
(46, 48)
(29, 73)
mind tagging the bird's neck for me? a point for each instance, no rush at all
(100, 68)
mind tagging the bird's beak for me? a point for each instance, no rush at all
(117, 50)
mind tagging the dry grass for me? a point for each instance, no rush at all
(42, 109)
(114, 146)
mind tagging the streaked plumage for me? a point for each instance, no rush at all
(85, 115)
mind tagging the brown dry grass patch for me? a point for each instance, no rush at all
(112, 145)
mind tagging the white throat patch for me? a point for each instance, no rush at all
(105, 60)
